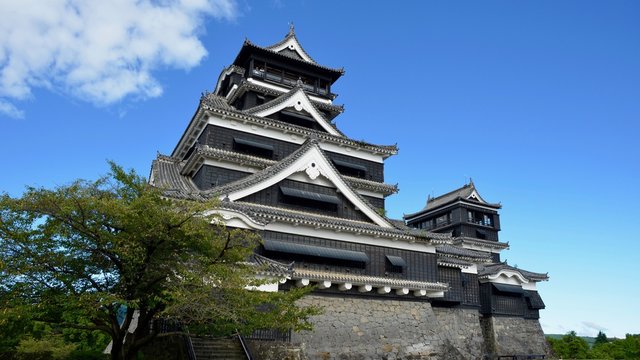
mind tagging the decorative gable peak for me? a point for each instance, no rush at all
(310, 162)
(298, 101)
(290, 46)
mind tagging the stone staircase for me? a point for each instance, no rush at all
(217, 348)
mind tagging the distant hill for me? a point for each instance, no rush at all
(590, 340)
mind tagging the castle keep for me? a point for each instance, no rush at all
(431, 285)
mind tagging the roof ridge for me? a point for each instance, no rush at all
(390, 149)
(280, 166)
(265, 90)
(296, 89)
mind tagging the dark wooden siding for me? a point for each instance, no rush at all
(210, 176)
(470, 289)
(375, 171)
(272, 196)
(470, 230)
(494, 302)
(377, 203)
(452, 277)
(222, 138)
(420, 266)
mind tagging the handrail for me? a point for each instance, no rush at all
(245, 348)
(191, 353)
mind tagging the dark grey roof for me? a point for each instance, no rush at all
(461, 193)
(288, 55)
(268, 172)
(291, 34)
(436, 237)
(510, 289)
(315, 251)
(203, 151)
(228, 71)
(283, 98)
(263, 214)
(396, 260)
(490, 244)
(454, 262)
(534, 300)
(211, 100)
(220, 105)
(245, 85)
(485, 270)
(320, 275)
(165, 174)
(271, 267)
(458, 252)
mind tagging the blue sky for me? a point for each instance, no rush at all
(538, 102)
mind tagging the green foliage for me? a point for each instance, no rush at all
(601, 338)
(75, 256)
(570, 347)
(49, 348)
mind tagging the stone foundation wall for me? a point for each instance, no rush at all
(370, 328)
(363, 328)
(514, 336)
(462, 328)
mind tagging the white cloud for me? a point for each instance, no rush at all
(590, 328)
(99, 51)
(10, 110)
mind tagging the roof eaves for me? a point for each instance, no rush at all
(340, 71)
(377, 149)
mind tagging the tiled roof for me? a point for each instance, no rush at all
(218, 104)
(211, 100)
(485, 271)
(228, 71)
(283, 98)
(454, 262)
(263, 174)
(458, 252)
(437, 238)
(461, 193)
(270, 171)
(263, 214)
(165, 174)
(489, 244)
(291, 34)
(370, 280)
(269, 49)
(271, 267)
(206, 151)
(245, 85)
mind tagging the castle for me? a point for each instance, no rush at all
(431, 285)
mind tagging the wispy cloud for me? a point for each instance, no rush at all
(10, 110)
(591, 327)
(98, 51)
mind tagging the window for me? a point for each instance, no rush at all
(480, 218)
(442, 220)
(309, 199)
(350, 169)
(297, 118)
(251, 147)
(395, 264)
(316, 254)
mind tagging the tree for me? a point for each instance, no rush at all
(570, 346)
(601, 338)
(81, 255)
